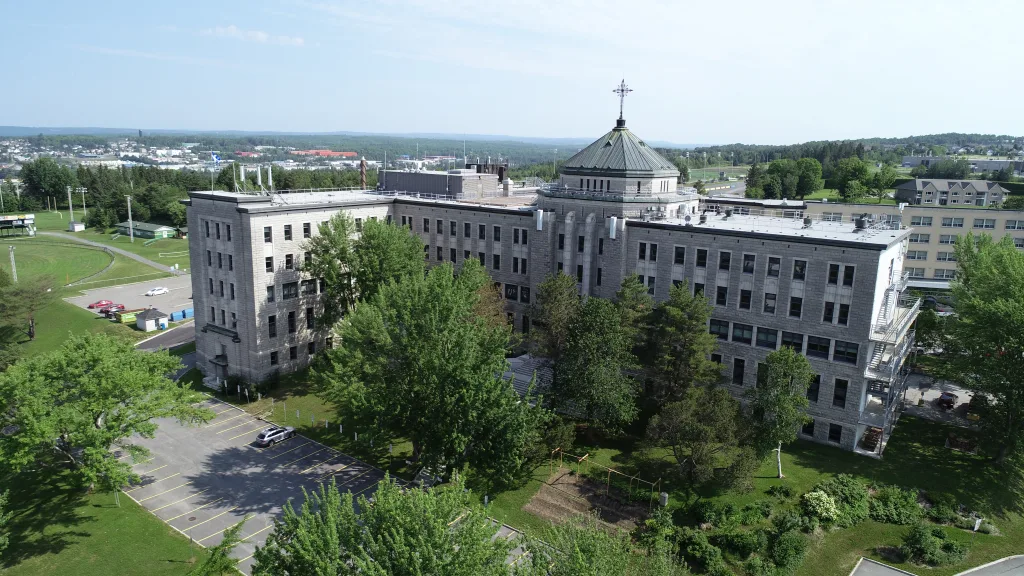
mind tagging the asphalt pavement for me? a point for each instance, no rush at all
(179, 296)
(176, 336)
(1009, 566)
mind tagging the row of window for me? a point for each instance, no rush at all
(648, 251)
(220, 260)
(519, 265)
(840, 388)
(223, 318)
(519, 235)
(289, 261)
(216, 227)
(221, 282)
(835, 431)
(516, 293)
(291, 290)
(307, 231)
(293, 352)
(292, 322)
(816, 347)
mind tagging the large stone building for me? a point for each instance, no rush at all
(832, 290)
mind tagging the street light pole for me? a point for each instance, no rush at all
(14, 269)
(85, 211)
(71, 210)
(131, 228)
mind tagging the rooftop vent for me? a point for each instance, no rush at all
(728, 212)
(860, 223)
(703, 218)
(807, 222)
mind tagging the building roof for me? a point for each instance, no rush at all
(151, 314)
(942, 185)
(619, 154)
(146, 226)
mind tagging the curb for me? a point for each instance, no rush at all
(992, 563)
(191, 323)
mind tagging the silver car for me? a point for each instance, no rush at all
(274, 434)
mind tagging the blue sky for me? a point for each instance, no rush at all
(703, 72)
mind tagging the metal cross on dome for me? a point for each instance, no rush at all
(622, 90)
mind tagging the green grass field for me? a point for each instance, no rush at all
(152, 252)
(59, 529)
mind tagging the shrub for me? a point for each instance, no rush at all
(755, 512)
(820, 505)
(697, 550)
(986, 528)
(787, 550)
(894, 505)
(850, 497)
(758, 566)
(945, 509)
(964, 522)
(740, 544)
(925, 545)
(721, 515)
(780, 492)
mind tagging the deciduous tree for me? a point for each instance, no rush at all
(882, 180)
(385, 253)
(218, 561)
(681, 346)
(809, 172)
(75, 405)
(778, 402)
(558, 303)
(333, 261)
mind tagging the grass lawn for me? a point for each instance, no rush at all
(152, 252)
(58, 529)
(55, 221)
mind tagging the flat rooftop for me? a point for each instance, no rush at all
(312, 198)
(877, 235)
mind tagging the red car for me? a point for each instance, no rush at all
(100, 304)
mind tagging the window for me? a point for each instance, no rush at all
(702, 258)
(915, 272)
(268, 235)
(748, 263)
(579, 272)
(1018, 242)
(231, 262)
(310, 319)
(481, 232)
(213, 315)
(467, 230)
(835, 433)
(453, 253)
(483, 258)
(796, 306)
(721, 295)
(497, 233)
(985, 223)
(952, 222)
(774, 265)
(1015, 224)
(654, 253)
(832, 217)
(466, 254)
(920, 220)
(426, 224)
(440, 226)
(311, 348)
(270, 294)
(207, 226)
(561, 241)
(453, 228)
(724, 260)
(579, 243)
(830, 312)
(845, 352)
(307, 230)
(716, 358)
(211, 285)
(833, 273)
(739, 366)
(839, 393)
(232, 290)
(288, 230)
(719, 328)
(272, 326)
(308, 287)
(917, 255)
(220, 260)
(289, 262)
(323, 285)
(945, 274)
(642, 253)
(598, 276)
(767, 338)
(742, 333)
(793, 340)
(522, 266)
(217, 225)
(947, 239)
(291, 322)
(307, 258)
(813, 388)
(848, 275)
(209, 258)
(524, 238)
(946, 257)
(844, 314)
(289, 290)
(745, 299)
(680, 255)
(698, 288)
(440, 254)
(808, 428)
(818, 347)
(293, 353)
(799, 269)
(524, 294)
(920, 238)
(600, 246)
(769, 303)
(496, 261)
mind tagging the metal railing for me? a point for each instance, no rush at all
(903, 314)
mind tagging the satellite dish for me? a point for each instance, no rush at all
(687, 219)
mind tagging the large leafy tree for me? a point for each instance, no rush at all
(778, 402)
(417, 362)
(385, 253)
(334, 262)
(75, 405)
(788, 173)
(809, 177)
(755, 176)
(19, 303)
(702, 431)
(45, 177)
(219, 562)
(984, 350)
(681, 346)
(882, 180)
(558, 303)
(590, 378)
(401, 533)
(849, 170)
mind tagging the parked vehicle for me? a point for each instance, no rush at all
(947, 400)
(274, 434)
(157, 291)
(110, 310)
(100, 304)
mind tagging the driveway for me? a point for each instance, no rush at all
(920, 386)
(170, 338)
(203, 480)
(1009, 566)
(134, 295)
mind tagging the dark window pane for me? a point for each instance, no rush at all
(680, 255)
(818, 347)
(720, 328)
(742, 333)
(767, 338)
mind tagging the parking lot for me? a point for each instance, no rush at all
(134, 295)
(203, 480)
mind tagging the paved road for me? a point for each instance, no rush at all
(178, 297)
(170, 338)
(868, 567)
(131, 255)
(1009, 566)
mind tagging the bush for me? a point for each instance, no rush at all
(964, 522)
(820, 505)
(755, 512)
(698, 551)
(787, 550)
(758, 566)
(850, 497)
(740, 544)
(720, 515)
(894, 505)
(945, 509)
(789, 520)
(925, 545)
(780, 492)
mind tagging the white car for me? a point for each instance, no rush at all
(157, 291)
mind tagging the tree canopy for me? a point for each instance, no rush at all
(778, 403)
(680, 346)
(558, 302)
(385, 253)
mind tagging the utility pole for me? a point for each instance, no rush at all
(14, 269)
(131, 227)
(71, 210)
(85, 211)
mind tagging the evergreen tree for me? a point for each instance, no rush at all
(681, 346)
(558, 303)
